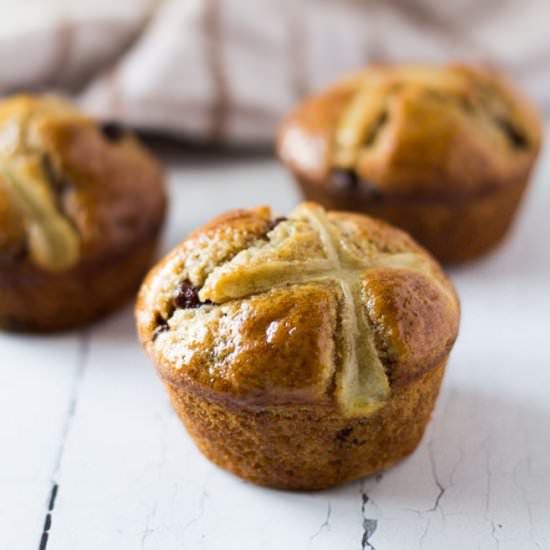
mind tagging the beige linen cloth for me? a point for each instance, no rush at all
(227, 70)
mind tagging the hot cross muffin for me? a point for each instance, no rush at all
(442, 152)
(300, 352)
(81, 207)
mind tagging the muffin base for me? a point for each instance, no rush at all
(309, 447)
(454, 229)
(33, 300)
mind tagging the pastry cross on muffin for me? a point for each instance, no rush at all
(81, 208)
(444, 152)
(300, 352)
(426, 93)
(364, 382)
(34, 187)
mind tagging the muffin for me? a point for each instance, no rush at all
(81, 208)
(300, 352)
(442, 152)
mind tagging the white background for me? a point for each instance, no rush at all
(86, 412)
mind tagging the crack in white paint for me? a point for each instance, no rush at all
(80, 367)
(81, 363)
(437, 482)
(159, 465)
(488, 474)
(369, 525)
(202, 501)
(424, 535)
(528, 503)
(325, 524)
(148, 531)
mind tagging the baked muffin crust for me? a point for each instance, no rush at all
(74, 201)
(70, 191)
(300, 352)
(320, 308)
(442, 152)
(408, 128)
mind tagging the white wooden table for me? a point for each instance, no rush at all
(92, 457)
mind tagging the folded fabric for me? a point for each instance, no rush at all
(227, 70)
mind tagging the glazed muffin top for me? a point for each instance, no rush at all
(71, 191)
(327, 308)
(422, 130)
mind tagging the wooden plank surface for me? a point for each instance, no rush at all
(86, 429)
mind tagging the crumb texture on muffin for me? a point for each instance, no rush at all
(316, 308)
(407, 129)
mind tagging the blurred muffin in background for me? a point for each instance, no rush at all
(81, 207)
(442, 152)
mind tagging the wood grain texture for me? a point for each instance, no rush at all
(129, 477)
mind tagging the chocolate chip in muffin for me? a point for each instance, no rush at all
(344, 434)
(497, 111)
(187, 296)
(113, 131)
(515, 136)
(370, 191)
(59, 185)
(343, 179)
(13, 255)
(346, 181)
(162, 326)
(274, 223)
(56, 181)
(376, 128)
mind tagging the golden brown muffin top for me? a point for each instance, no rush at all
(70, 191)
(422, 130)
(314, 308)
